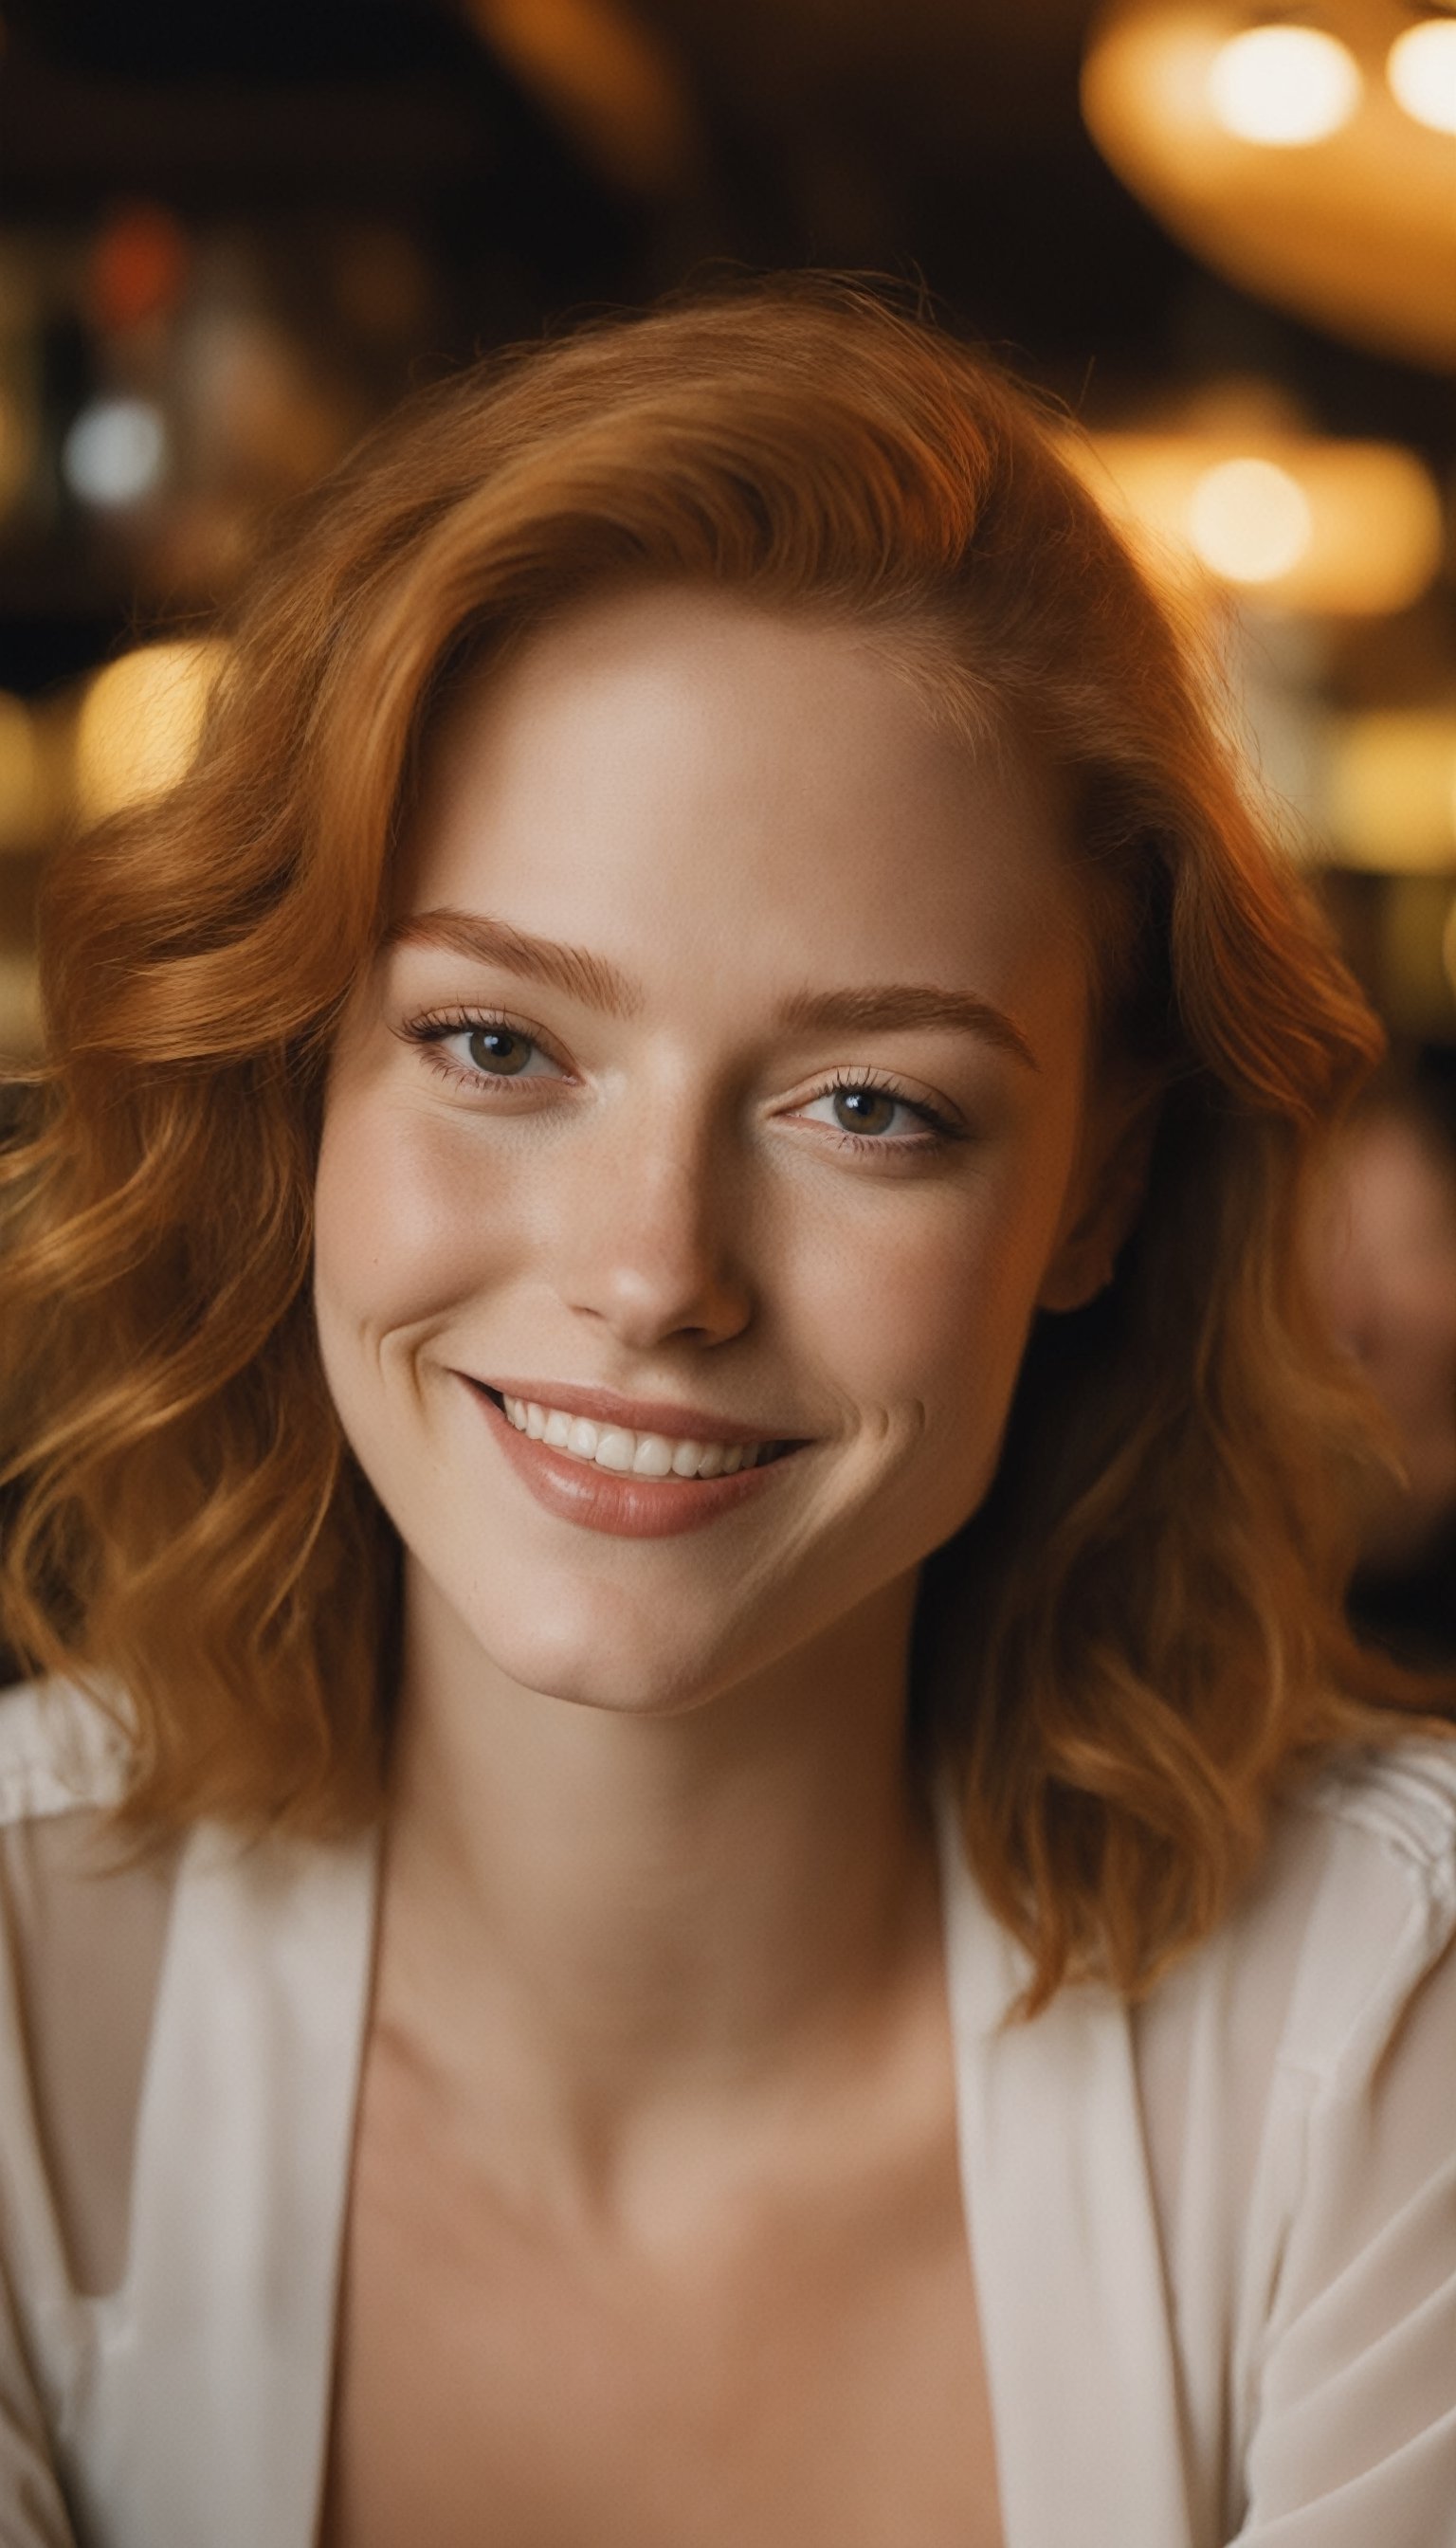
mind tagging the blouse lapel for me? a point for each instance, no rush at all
(211, 2421)
(1069, 2281)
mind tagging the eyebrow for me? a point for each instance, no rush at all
(909, 1004)
(602, 985)
(571, 970)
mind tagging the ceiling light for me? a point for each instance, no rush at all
(1284, 87)
(1355, 234)
(1299, 520)
(1422, 70)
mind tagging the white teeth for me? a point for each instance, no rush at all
(640, 1455)
(615, 1448)
(653, 1457)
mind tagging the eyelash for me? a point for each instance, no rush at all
(430, 1031)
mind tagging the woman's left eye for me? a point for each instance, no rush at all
(879, 1118)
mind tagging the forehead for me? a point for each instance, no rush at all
(682, 775)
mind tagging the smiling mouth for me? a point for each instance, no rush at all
(623, 1452)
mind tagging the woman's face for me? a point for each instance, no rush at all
(729, 1060)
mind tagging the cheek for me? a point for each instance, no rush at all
(933, 1322)
(930, 1305)
(401, 1229)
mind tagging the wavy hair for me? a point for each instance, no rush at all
(1139, 1633)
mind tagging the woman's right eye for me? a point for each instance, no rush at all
(498, 1051)
(473, 1051)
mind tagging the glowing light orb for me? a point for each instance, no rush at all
(1249, 521)
(1422, 69)
(115, 452)
(1284, 87)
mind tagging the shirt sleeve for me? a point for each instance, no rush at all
(1354, 2439)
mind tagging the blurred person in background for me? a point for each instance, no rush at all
(699, 1854)
(1384, 1239)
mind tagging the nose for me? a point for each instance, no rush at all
(652, 1239)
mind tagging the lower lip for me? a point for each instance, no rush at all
(626, 1507)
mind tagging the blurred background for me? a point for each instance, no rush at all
(1226, 238)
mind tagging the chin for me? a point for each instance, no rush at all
(590, 1651)
(628, 1684)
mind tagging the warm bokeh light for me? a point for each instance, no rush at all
(1392, 799)
(138, 266)
(1357, 234)
(141, 721)
(115, 452)
(1448, 947)
(1329, 527)
(1422, 70)
(1284, 87)
(1249, 521)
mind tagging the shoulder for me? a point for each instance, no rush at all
(1383, 1823)
(1322, 1958)
(1383, 1912)
(1401, 1800)
(61, 1751)
(1319, 1962)
(1349, 2287)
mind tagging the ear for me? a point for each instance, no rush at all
(1104, 1195)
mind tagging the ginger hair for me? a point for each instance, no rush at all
(1133, 1643)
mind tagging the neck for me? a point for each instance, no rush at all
(599, 1927)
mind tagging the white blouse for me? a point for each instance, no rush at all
(1214, 2236)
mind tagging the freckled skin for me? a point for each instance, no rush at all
(726, 806)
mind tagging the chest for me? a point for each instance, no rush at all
(813, 2380)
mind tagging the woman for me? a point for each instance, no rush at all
(673, 1474)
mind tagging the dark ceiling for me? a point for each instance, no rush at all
(935, 139)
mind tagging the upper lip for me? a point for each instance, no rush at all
(635, 1415)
